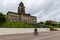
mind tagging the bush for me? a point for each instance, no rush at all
(17, 25)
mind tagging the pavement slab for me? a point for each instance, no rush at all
(52, 35)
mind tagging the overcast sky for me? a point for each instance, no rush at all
(42, 9)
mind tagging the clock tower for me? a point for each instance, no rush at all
(21, 8)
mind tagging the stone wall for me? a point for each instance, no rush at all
(6, 31)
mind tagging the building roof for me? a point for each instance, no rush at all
(11, 12)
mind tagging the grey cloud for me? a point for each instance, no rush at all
(49, 10)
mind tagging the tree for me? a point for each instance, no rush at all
(2, 18)
(59, 25)
(54, 24)
(41, 22)
(47, 23)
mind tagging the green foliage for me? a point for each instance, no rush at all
(16, 25)
(44, 26)
(59, 25)
(41, 22)
(47, 23)
(54, 24)
(2, 18)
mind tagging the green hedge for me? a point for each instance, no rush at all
(49, 26)
(16, 25)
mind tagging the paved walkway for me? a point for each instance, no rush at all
(42, 36)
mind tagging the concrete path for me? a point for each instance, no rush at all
(55, 35)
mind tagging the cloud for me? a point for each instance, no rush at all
(42, 9)
(51, 11)
(7, 2)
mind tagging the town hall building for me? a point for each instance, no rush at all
(21, 16)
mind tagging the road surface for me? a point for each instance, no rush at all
(53, 35)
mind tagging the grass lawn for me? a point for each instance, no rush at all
(16, 25)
